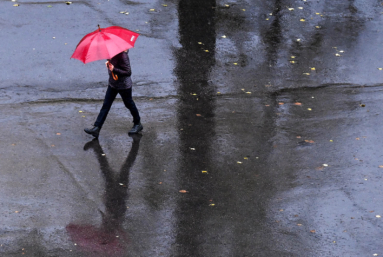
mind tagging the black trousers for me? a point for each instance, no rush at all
(126, 95)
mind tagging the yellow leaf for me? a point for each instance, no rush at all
(291, 9)
(380, 68)
(298, 39)
(318, 27)
(80, 111)
(235, 63)
(317, 13)
(300, 8)
(152, 10)
(204, 171)
(309, 109)
(194, 94)
(218, 92)
(239, 162)
(243, 9)
(267, 19)
(200, 43)
(206, 50)
(226, 5)
(223, 36)
(313, 68)
(212, 204)
(302, 20)
(337, 55)
(325, 165)
(331, 140)
(248, 92)
(292, 61)
(164, 5)
(68, 3)
(293, 57)
(16, 5)
(306, 74)
(246, 158)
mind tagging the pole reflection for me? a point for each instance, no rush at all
(196, 125)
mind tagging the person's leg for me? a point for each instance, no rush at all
(126, 95)
(110, 95)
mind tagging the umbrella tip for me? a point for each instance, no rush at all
(99, 27)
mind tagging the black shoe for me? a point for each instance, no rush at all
(95, 131)
(136, 128)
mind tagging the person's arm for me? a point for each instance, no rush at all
(123, 68)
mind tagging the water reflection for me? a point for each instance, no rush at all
(195, 113)
(110, 239)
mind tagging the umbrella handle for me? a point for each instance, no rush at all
(115, 77)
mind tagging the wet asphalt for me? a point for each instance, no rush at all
(261, 130)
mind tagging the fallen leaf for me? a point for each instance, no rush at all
(313, 68)
(312, 231)
(16, 5)
(68, 3)
(204, 171)
(341, 51)
(378, 216)
(302, 20)
(245, 158)
(235, 63)
(218, 92)
(207, 51)
(198, 115)
(310, 141)
(317, 13)
(318, 27)
(152, 10)
(298, 39)
(49, 6)
(331, 140)
(164, 5)
(299, 137)
(121, 184)
(309, 109)
(357, 138)
(193, 149)
(239, 162)
(17, 211)
(52, 145)
(226, 5)
(362, 105)
(381, 166)
(280, 103)
(299, 104)
(292, 61)
(223, 36)
(159, 183)
(248, 92)
(80, 111)
(380, 68)
(337, 55)
(183, 191)
(306, 74)
(58, 134)
(291, 9)
(299, 224)
(300, 8)
(103, 154)
(267, 19)
(212, 204)
(281, 210)
(293, 57)
(243, 9)
(325, 165)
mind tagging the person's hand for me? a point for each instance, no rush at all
(109, 66)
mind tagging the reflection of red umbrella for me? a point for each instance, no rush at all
(98, 241)
(104, 43)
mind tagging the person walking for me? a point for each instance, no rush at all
(120, 82)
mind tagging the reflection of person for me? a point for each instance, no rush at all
(120, 82)
(110, 239)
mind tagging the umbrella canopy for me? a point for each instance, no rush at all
(104, 43)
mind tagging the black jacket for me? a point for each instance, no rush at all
(122, 69)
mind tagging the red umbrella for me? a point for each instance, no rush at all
(104, 43)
